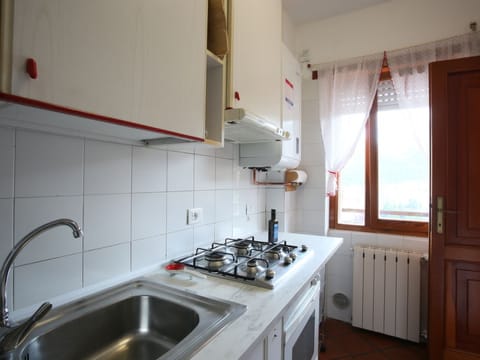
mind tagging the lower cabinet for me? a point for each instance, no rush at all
(273, 342)
(270, 347)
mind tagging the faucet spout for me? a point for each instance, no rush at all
(8, 263)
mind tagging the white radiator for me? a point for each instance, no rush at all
(386, 291)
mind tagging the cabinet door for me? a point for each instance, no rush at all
(171, 65)
(85, 55)
(256, 57)
(274, 342)
(140, 61)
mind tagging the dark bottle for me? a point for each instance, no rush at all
(273, 228)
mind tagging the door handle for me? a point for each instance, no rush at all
(440, 211)
(439, 214)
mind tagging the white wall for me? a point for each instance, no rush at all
(392, 25)
(312, 208)
(131, 202)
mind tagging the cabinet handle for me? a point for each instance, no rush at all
(31, 67)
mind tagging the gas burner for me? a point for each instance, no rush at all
(252, 267)
(274, 254)
(215, 260)
(243, 247)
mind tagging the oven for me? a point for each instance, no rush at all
(301, 323)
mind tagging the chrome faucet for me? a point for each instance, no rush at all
(11, 336)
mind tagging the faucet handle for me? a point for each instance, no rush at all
(40, 312)
(14, 336)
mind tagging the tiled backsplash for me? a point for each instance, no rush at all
(131, 202)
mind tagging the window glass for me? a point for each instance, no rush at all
(403, 164)
(351, 188)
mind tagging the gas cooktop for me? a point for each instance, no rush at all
(248, 260)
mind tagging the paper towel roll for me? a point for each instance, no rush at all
(298, 177)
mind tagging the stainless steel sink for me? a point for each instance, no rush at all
(137, 320)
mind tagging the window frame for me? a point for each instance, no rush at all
(372, 221)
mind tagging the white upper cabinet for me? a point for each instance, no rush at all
(138, 61)
(255, 68)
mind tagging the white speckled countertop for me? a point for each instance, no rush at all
(264, 306)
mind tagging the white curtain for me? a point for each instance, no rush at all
(409, 67)
(347, 90)
(409, 70)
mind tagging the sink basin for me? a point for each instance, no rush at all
(137, 320)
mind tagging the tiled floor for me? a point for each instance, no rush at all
(346, 342)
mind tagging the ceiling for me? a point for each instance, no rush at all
(304, 11)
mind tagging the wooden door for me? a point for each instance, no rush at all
(454, 294)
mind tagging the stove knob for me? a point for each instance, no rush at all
(269, 274)
(304, 248)
(287, 260)
(293, 256)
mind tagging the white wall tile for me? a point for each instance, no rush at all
(205, 149)
(343, 285)
(59, 241)
(248, 198)
(227, 152)
(204, 173)
(6, 227)
(177, 205)
(149, 170)
(340, 265)
(223, 205)
(203, 235)
(108, 168)
(312, 154)
(311, 132)
(188, 148)
(106, 220)
(415, 243)
(313, 199)
(146, 252)
(7, 155)
(313, 222)
(180, 243)
(242, 178)
(48, 165)
(275, 199)
(103, 264)
(310, 89)
(149, 215)
(316, 177)
(180, 171)
(261, 199)
(43, 280)
(346, 247)
(310, 113)
(223, 229)
(359, 238)
(389, 241)
(223, 173)
(206, 201)
(290, 201)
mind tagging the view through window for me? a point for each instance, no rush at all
(390, 166)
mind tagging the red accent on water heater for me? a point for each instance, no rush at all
(31, 67)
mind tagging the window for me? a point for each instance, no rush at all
(385, 185)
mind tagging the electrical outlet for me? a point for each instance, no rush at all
(194, 216)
